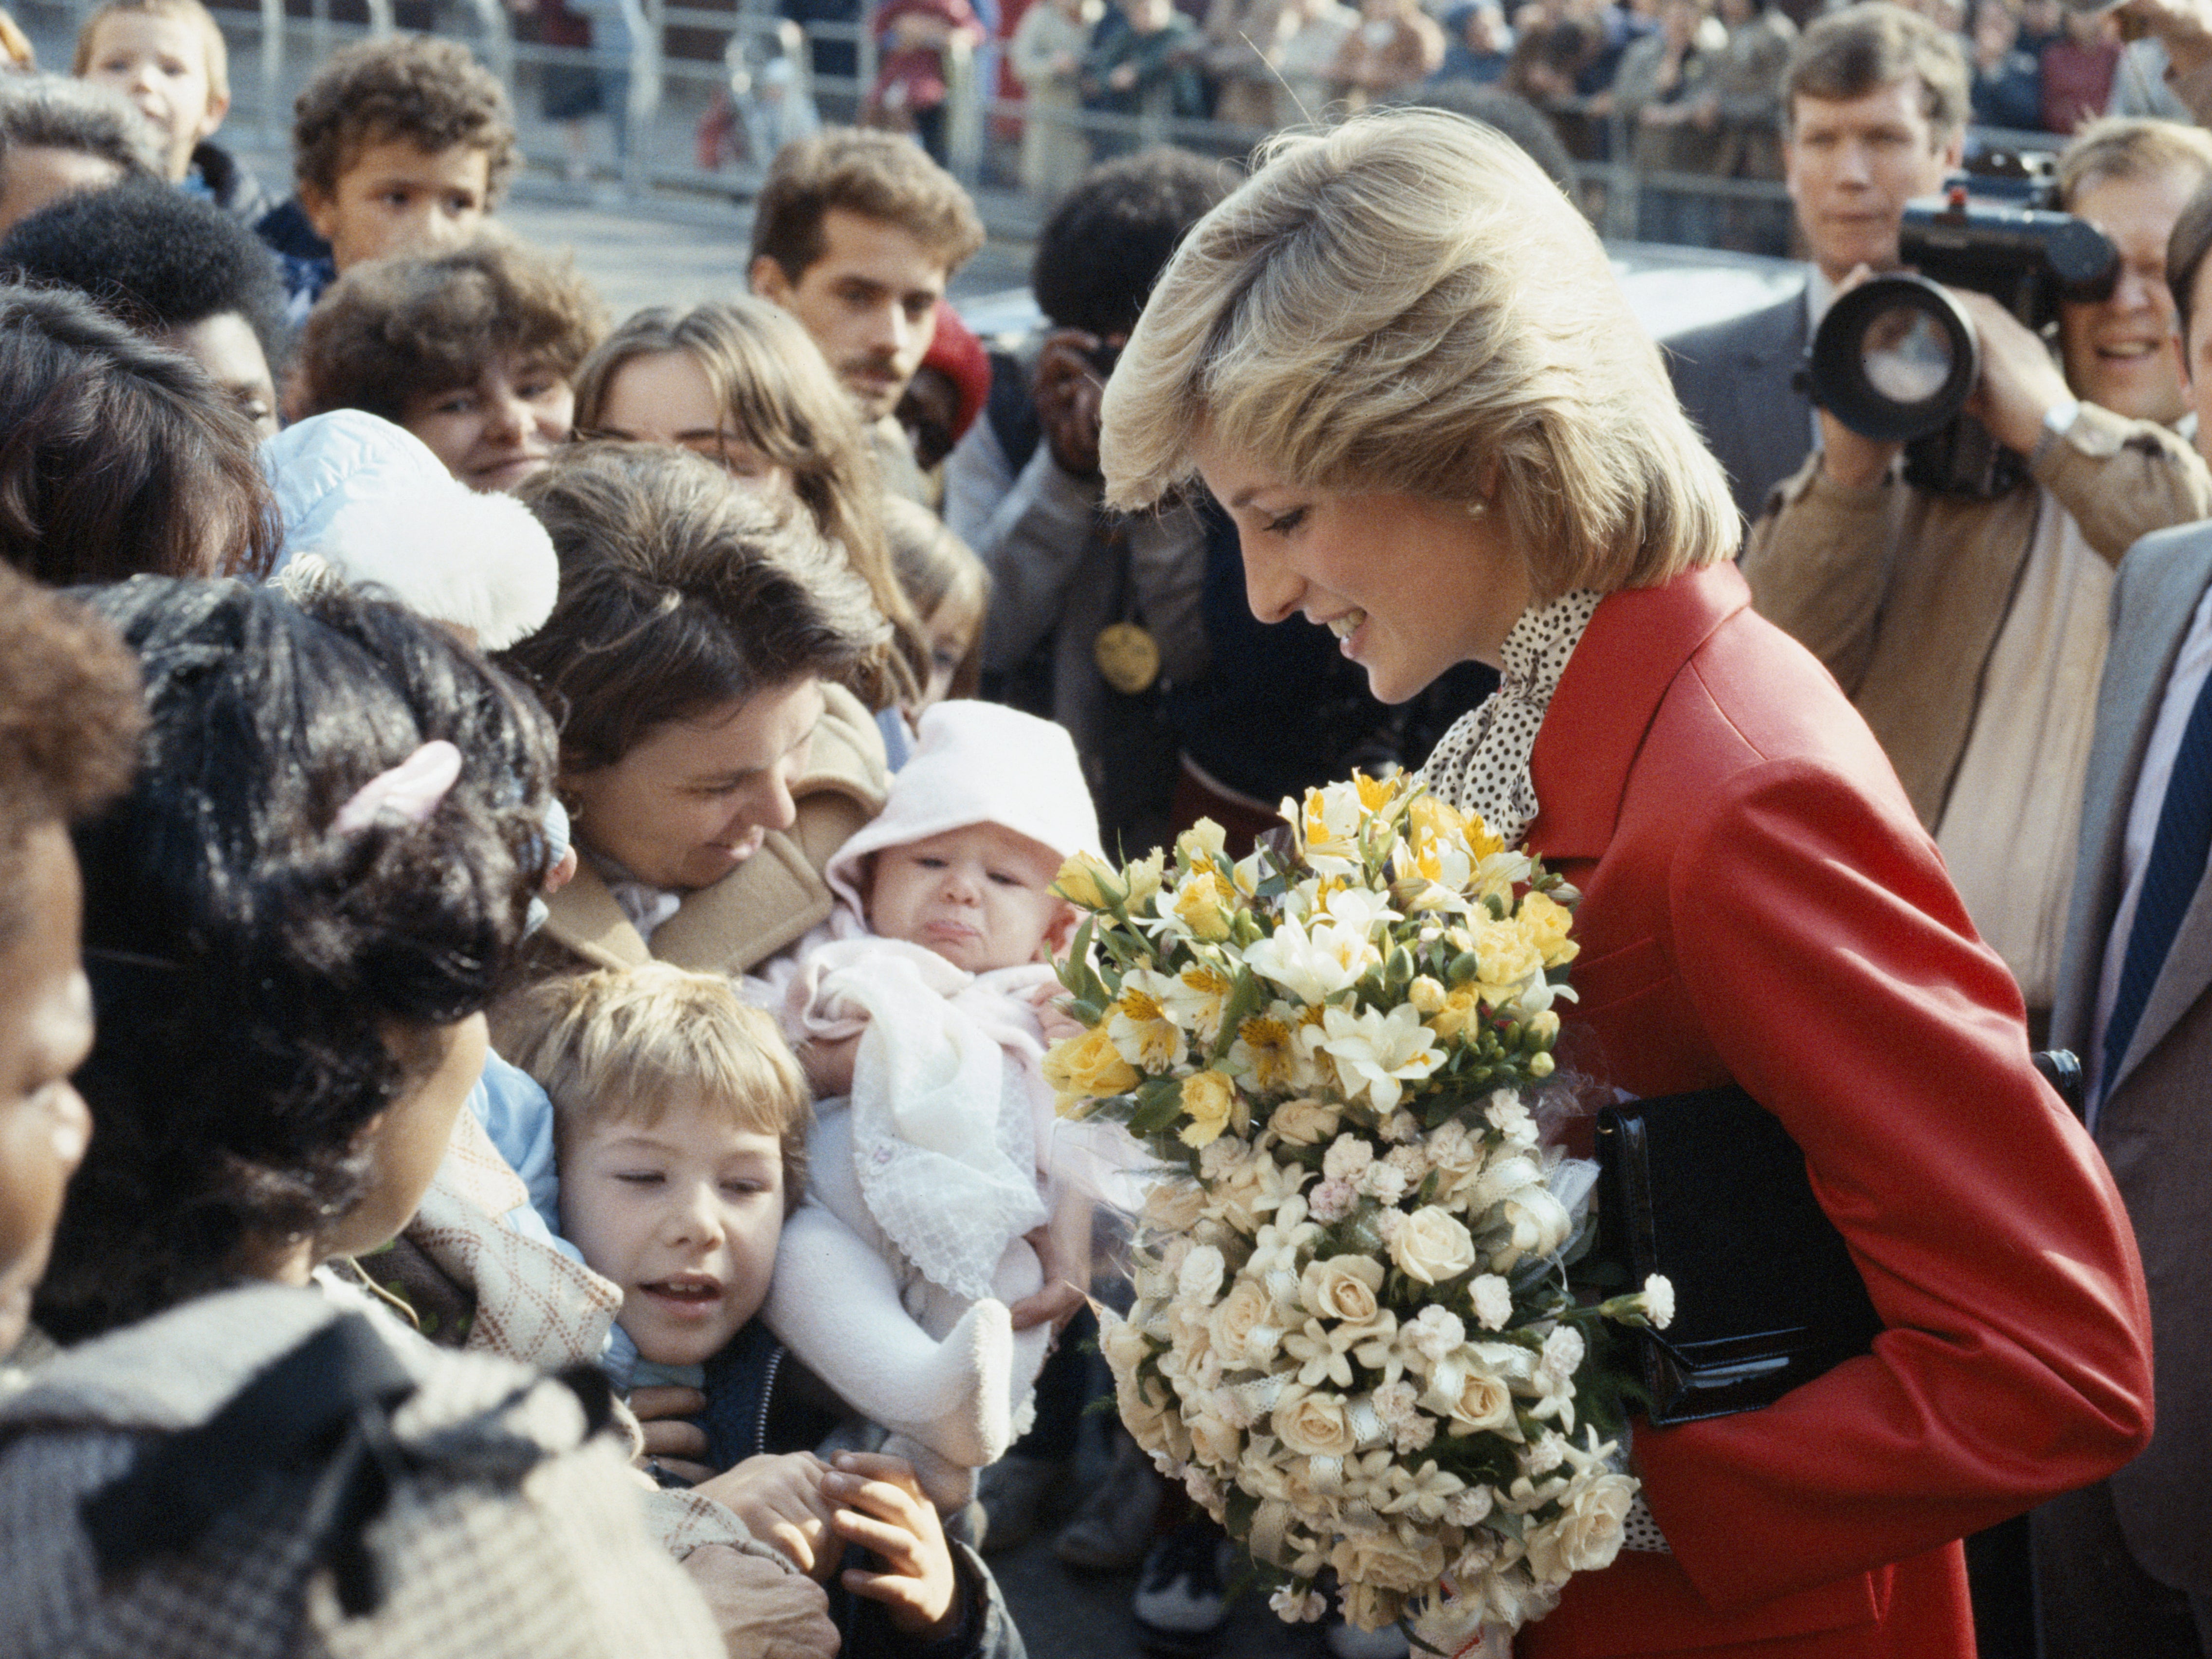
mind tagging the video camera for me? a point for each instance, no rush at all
(1896, 358)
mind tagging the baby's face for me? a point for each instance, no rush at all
(976, 896)
(684, 1215)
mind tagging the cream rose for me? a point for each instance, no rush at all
(1206, 1098)
(1475, 1398)
(1433, 1245)
(1213, 1439)
(1313, 1424)
(1247, 1305)
(1174, 1207)
(1588, 1536)
(1343, 1287)
(1385, 1560)
(1305, 1122)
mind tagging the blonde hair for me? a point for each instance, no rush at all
(1407, 305)
(770, 378)
(620, 1044)
(2131, 146)
(937, 569)
(213, 47)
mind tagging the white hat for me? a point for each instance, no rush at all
(978, 763)
(386, 517)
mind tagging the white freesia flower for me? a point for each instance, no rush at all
(1311, 966)
(1360, 907)
(1377, 1053)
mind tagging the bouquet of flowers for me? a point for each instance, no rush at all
(1354, 1337)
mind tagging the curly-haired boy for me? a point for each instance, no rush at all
(399, 146)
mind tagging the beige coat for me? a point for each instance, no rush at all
(766, 904)
(1901, 594)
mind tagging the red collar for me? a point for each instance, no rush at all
(1635, 646)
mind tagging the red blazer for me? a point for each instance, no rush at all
(1761, 904)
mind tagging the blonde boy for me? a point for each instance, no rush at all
(680, 1123)
(167, 56)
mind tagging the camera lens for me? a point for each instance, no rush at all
(1895, 359)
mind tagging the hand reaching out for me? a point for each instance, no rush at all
(671, 1440)
(782, 1502)
(879, 1506)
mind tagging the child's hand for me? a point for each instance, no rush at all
(781, 1502)
(880, 1507)
(829, 1065)
(1050, 1001)
(671, 1440)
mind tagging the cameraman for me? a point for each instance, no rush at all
(1969, 631)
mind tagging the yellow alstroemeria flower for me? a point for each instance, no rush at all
(1141, 1030)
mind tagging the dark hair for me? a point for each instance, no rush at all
(877, 175)
(2184, 256)
(392, 331)
(156, 257)
(1107, 241)
(249, 964)
(1848, 54)
(681, 592)
(770, 382)
(1510, 114)
(68, 722)
(52, 111)
(429, 93)
(117, 457)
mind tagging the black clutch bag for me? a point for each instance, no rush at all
(1708, 1189)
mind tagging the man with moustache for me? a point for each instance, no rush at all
(1874, 112)
(1969, 630)
(856, 233)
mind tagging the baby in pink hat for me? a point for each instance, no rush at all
(921, 1008)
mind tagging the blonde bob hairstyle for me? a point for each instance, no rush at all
(1406, 305)
(770, 382)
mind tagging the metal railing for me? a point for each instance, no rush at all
(685, 60)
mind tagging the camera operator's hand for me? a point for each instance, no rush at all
(1846, 456)
(1068, 388)
(2184, 28)
(2020, 382)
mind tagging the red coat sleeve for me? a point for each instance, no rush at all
(1815, 937)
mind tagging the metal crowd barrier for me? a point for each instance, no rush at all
(683, 56)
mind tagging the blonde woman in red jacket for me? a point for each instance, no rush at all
(1397, 358)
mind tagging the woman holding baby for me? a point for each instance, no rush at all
(1397, 358)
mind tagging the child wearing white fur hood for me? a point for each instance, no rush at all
(923, 1010)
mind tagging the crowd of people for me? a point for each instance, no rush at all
(544, 1146)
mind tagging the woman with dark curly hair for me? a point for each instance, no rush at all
(293, 921)
(475, 351)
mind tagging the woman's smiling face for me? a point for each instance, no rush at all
(694, 798)
(1409, 586)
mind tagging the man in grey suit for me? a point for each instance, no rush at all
(1877, 102)
(2124, 1567)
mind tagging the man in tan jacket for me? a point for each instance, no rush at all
(1971, 633)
